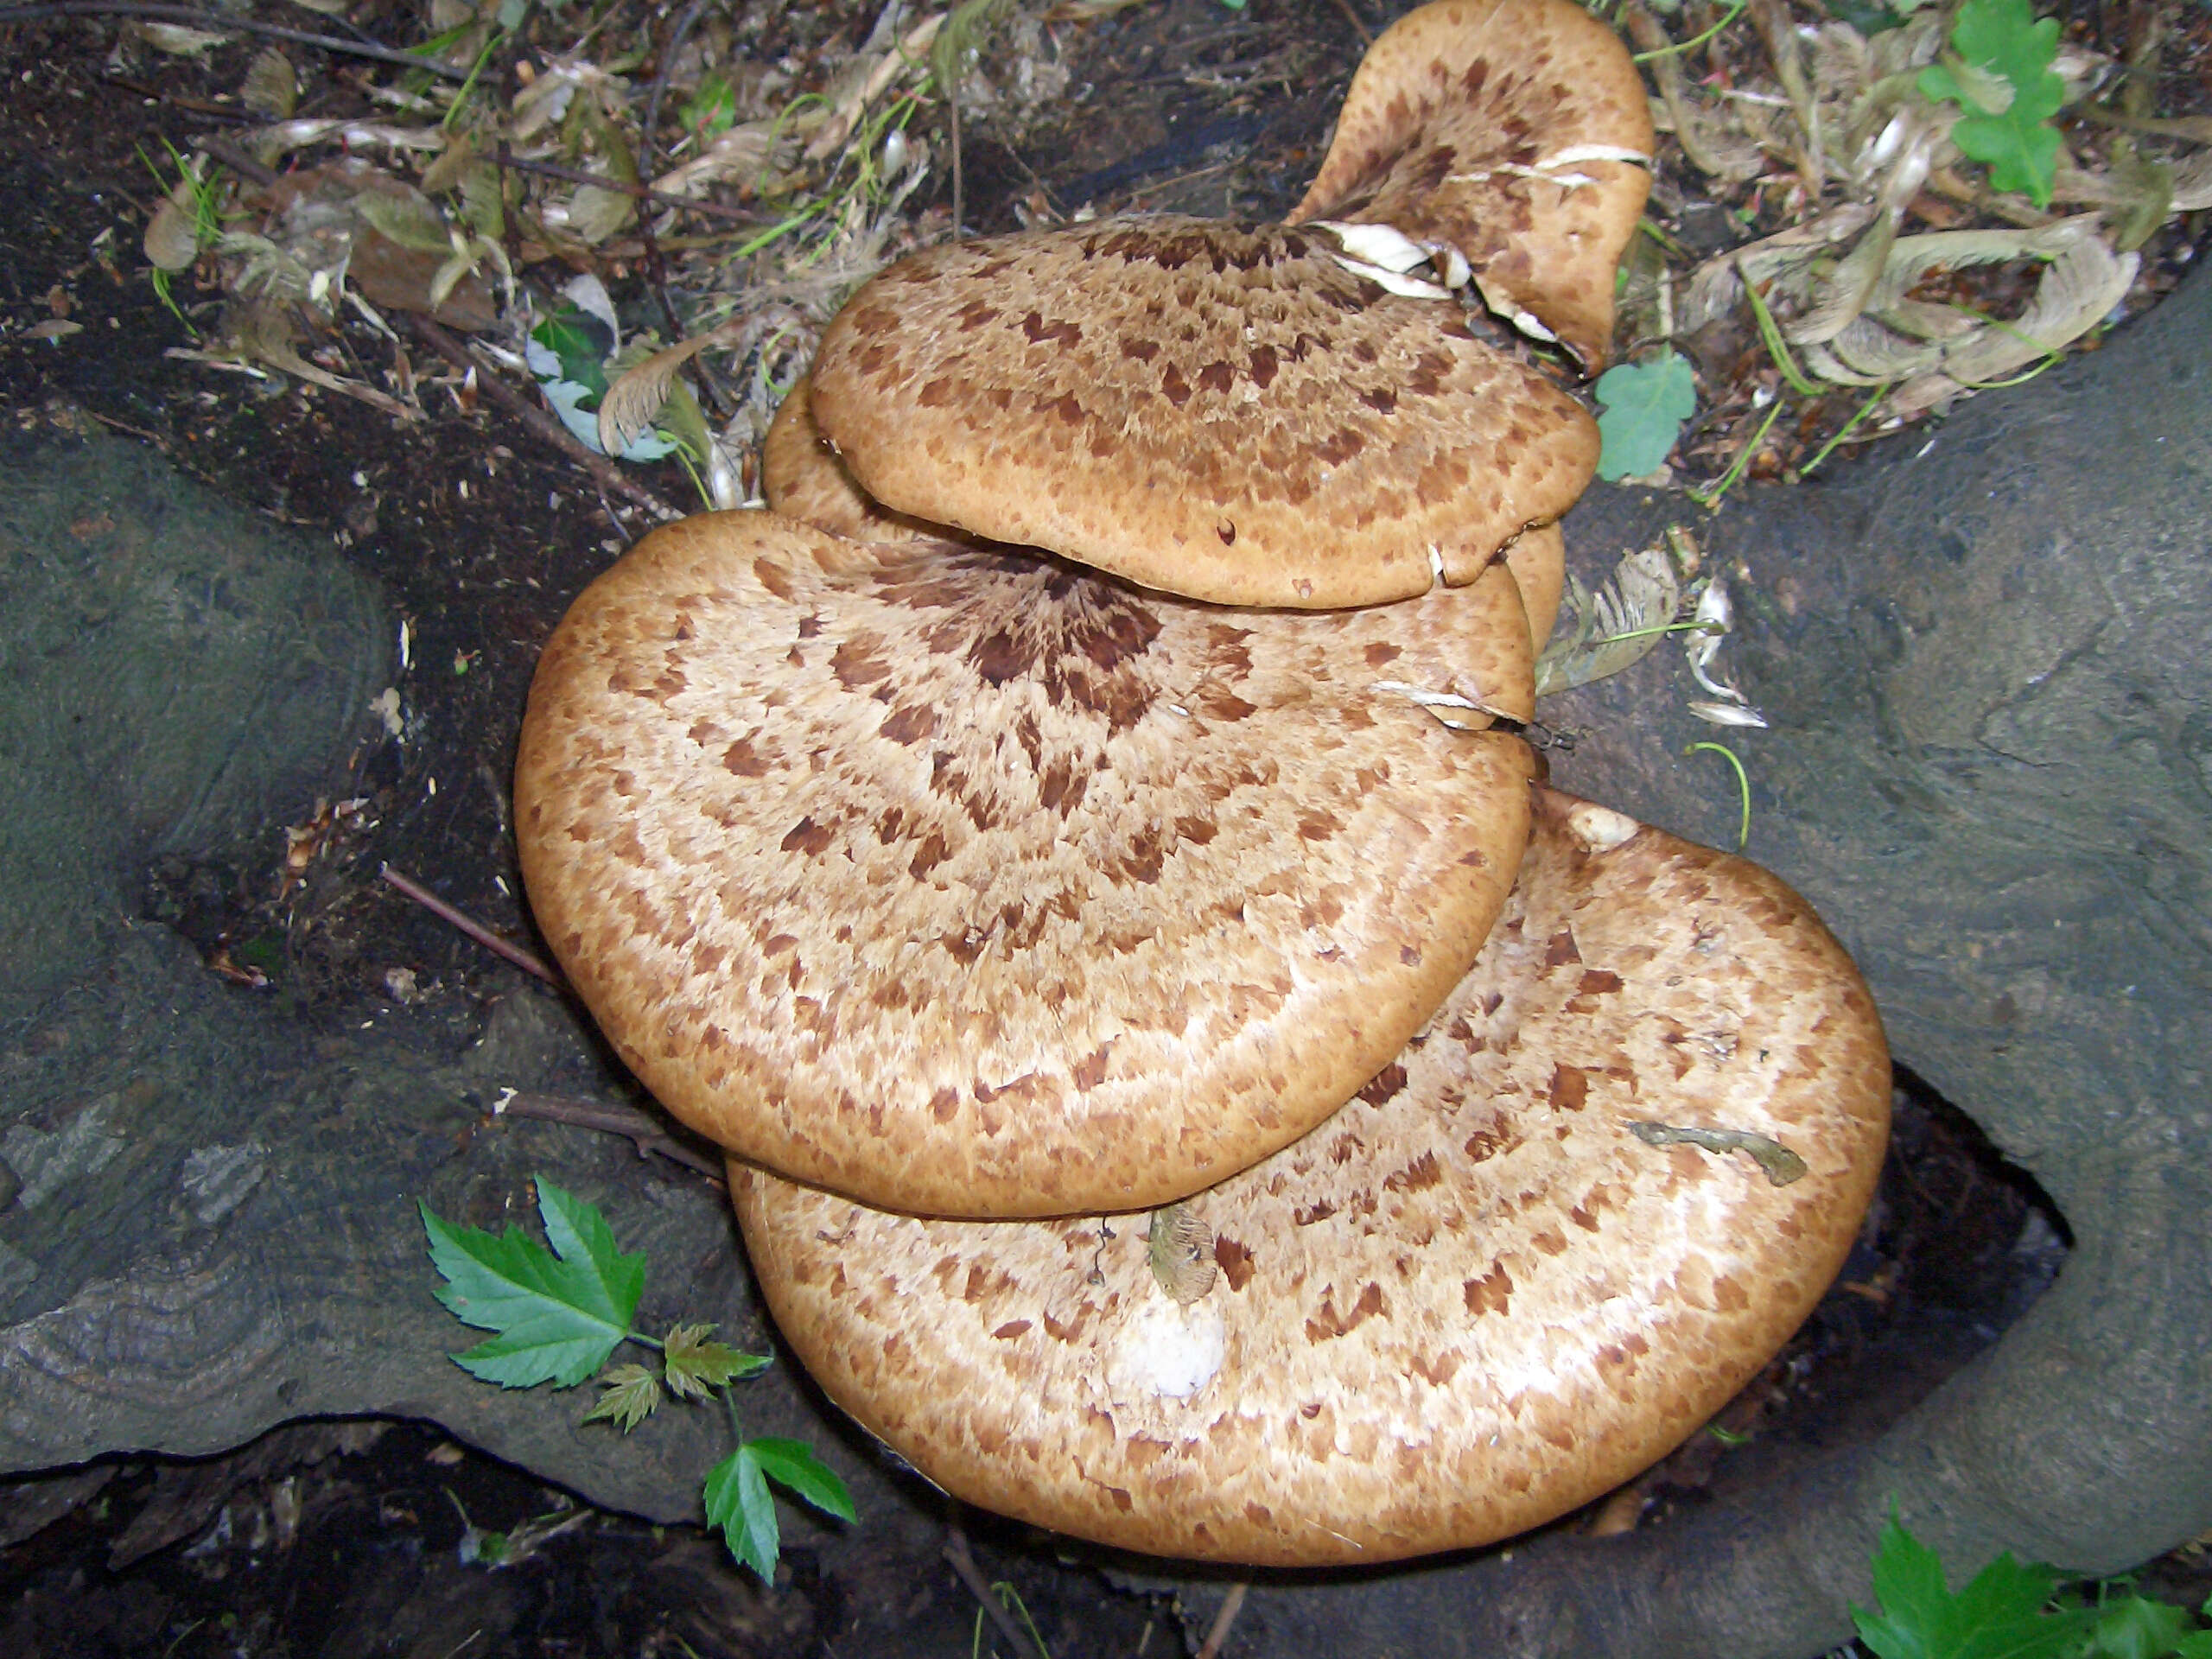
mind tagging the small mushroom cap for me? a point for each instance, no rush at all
(1538, 561)
(1472, 1300)
(1497, 128)
(971, 883)
(1223, 412)
(804, 479)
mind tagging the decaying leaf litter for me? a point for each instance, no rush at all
(1861, 214)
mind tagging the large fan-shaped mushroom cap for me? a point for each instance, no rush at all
(976, 884)
(1224, 412)
(1514, 132)
(804, 479)
(1497, 1284)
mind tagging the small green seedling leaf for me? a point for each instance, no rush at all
(1645, 404)
(696, 1365)
(2000, 1615)
(633, 1395)
(559, 1313)
(1998, 72)
(738, 1500)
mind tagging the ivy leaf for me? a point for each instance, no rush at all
(1999, 1615)
(695, 1366)
(738, 1500)
(2001, 40)
(559, 1313)
(1645, 404)
(633, 1395)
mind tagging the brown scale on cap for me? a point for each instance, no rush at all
(1471, 1301)
(974, 884)
(1219, 411)
(1489, 126)
(804, 479)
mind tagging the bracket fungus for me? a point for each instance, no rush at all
(1026, 835)
(973, 883)
(1509, 138)
(1230, 413)
(1476, 1298)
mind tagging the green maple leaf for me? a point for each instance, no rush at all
(739, 1502)
(559, 1313)
(633, 1395)
(1999, 48)
(2002, 1614)
(696, 1365)
(1645, 404)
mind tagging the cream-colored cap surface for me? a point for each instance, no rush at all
(1475, 1299)
(1224, 412)
(975, 884)
(1498, 128)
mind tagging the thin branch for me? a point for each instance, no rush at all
(641, 192)
(217, 23)
(475, 929)
(642, 1130)
(610, 476)
(1222, 1620)
(963, 1563)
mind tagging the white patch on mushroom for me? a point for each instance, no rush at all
(1599, 829)
(1386, 257)
(1167, 1349)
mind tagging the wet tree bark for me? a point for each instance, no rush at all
(1990, 766)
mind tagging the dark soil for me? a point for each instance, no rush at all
(352, 1539)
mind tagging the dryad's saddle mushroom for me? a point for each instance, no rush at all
(1229, 413)
(1514, 134)
(930, 872)
(979, 884)
(1540, 1248)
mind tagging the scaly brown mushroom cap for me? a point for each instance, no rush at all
(1498, 128)
(976, 884)
(804, 479)
(1223, 412)
(1475, 1299)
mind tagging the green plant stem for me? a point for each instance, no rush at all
(1711, 499)
(1734, 12)
(1742, 788)
(1775, 347)
(1846, 429)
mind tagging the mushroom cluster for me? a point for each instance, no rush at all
(1094, 791)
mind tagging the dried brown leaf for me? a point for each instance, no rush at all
(270, 89)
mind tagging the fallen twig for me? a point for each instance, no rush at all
(215, 21)
(1220, 1634)
(640, 1128)
(963, 1563)
(623, 188)
(475, 930)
